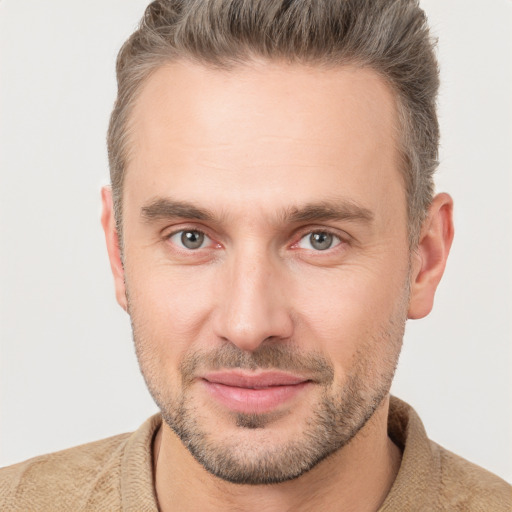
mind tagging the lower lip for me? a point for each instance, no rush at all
(254, 401)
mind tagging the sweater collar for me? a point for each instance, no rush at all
(415, 487)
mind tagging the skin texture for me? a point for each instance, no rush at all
(258, 159)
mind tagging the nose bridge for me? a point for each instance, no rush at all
(252, 306)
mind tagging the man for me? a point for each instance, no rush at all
(271, 225)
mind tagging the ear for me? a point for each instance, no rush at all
(114, 253)
(429, 258)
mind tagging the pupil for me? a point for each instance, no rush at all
(321, 241)
(192, 239)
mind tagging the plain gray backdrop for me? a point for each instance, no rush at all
(68, 372)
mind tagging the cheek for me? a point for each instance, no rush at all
(347, 309)
(168, 306)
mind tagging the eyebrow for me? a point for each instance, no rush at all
(340, 209)
(163, 208)
(329, 210)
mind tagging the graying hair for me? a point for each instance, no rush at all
(389, 36)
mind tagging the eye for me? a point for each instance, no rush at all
(190, 239)
(318, 241)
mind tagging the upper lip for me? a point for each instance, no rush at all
(242, 379)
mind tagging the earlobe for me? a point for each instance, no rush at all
(429, 259)
(112, 239)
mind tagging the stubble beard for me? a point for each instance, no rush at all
(336, 418)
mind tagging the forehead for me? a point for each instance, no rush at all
(261, 129)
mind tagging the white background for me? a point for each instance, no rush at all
(68, 373)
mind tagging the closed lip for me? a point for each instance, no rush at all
(254, 393)
(261, 380)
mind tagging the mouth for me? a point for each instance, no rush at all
(252, 393)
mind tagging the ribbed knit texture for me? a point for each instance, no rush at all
(116, 474)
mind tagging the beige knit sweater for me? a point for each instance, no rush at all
(116, 474)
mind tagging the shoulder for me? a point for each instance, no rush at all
(432, 478)
(464, 486)
(64, 480)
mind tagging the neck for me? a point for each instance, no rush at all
(357, 477)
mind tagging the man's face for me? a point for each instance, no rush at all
(266, 259)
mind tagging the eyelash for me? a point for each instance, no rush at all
(169, 236)
(341, 240)
(295, 245)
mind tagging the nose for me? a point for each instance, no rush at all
(252, 302)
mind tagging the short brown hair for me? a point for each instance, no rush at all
(389, 36)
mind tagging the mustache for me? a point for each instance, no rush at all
(268, 356)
